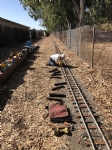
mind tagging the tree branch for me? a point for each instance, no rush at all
(76, 5)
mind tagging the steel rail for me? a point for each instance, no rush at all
(90, 137)
(108, 146)
(77, 105)
(106, 142)
(74, 97)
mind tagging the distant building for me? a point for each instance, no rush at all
(5, 22)
(12, 32)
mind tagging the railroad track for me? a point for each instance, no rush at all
(96, 137)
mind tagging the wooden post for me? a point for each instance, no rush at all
(92, 61)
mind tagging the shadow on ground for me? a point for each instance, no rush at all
(68, 66)
(17, 78)
(64, 66)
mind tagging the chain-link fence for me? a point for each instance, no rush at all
(103, 53)
(80, 41)
(92, 45)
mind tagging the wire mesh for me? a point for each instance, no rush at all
(79, 40)
(93, 46)
(103, 54)
(68, 38)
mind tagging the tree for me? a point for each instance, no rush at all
(57, 15)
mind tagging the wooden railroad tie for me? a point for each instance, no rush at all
(55, 99)
(90, 127)
(81, 106)
(61, 83)
(56, 95)
(79, 98)
(57, 74)
(97, 143)
(55, 69)
(86, 115)
(55, 77)
(76, 92)
(58, 87)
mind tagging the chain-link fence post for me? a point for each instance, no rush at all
(66, 37)
(70, 34)
(93, 47)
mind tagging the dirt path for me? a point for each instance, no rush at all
(25, 121)
(25, 124)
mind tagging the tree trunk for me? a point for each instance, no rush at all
(80, 7)
(81, 16)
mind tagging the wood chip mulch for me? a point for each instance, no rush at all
(24, 119)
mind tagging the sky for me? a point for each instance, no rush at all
(12, 10)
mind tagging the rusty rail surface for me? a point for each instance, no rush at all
(84, 110)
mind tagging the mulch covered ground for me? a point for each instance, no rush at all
(25, 121)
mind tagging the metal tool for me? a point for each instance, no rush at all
(61, 130)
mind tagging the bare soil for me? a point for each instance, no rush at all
(24, 120)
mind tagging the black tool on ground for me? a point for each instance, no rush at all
(58, 74)
(57, 95)
(55, 99)
(46, 107)
(58, 87)
(60, 130)
(61, 83)
(61, 120)
(55, 77)
(55, 69)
